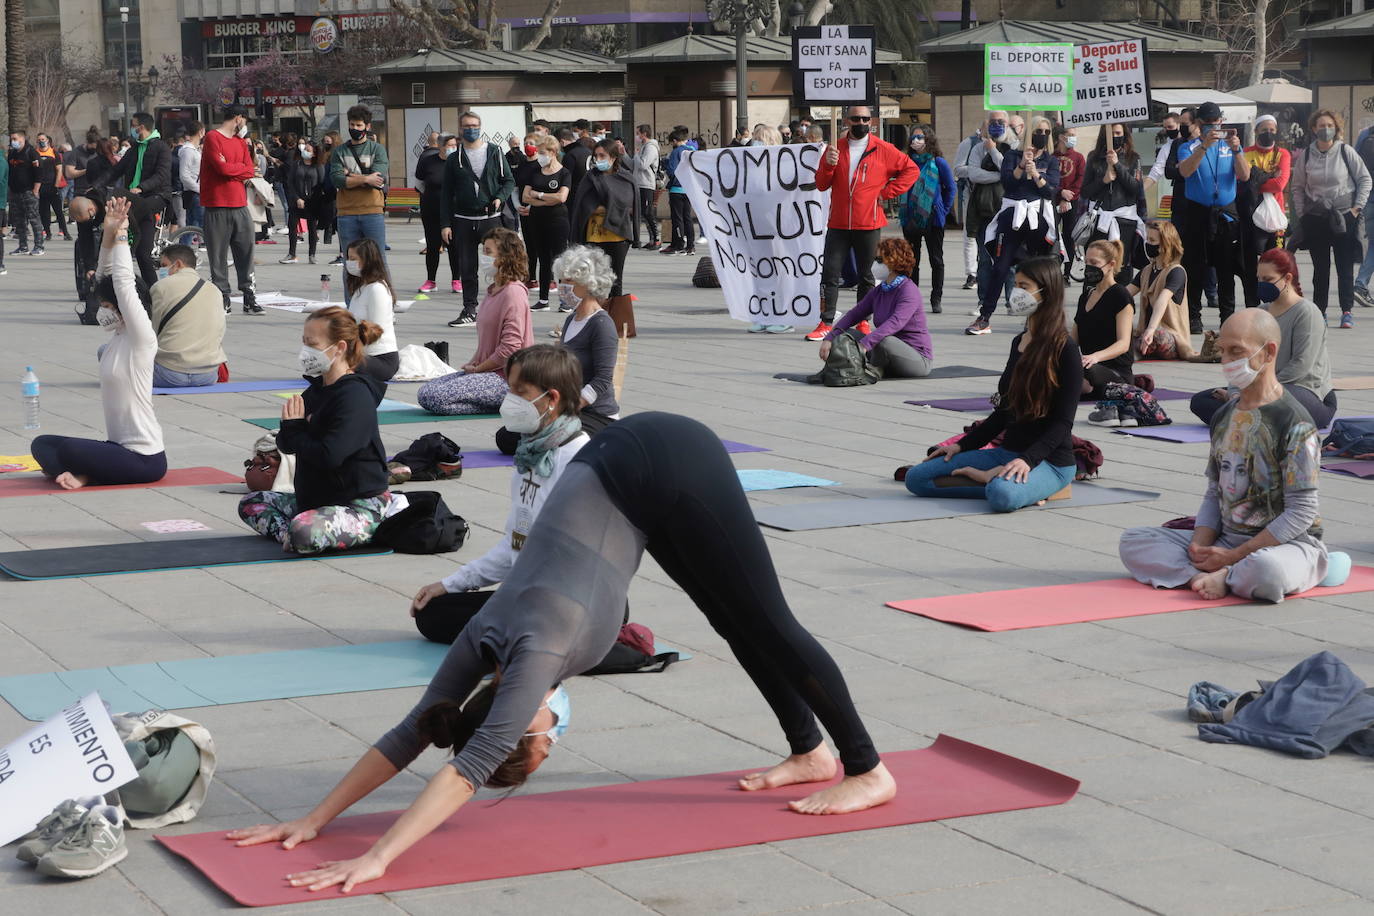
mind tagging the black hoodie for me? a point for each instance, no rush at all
(338, 447)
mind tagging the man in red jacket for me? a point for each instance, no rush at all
(225, 164)
(858, 171)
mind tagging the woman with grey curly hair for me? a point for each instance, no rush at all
(585, 276)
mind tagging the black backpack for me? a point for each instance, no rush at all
(424, 526)
(847, 365)
(433, 456)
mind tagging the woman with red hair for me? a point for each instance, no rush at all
(897, 342)
(1302, 365)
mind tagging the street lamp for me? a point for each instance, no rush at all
(740, 13)
(124, 74)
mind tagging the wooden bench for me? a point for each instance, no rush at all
(403, 201)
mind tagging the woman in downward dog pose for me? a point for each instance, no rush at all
(655, 482)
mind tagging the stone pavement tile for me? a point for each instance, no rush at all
(762, 730)
(574, 893)
(1161, 728)
(271, 734)
(181, 594)
(23, 890)
(1089, 694)
(1084, 833)
(1354, 629)
(132, 643)
(1338, 780)
(1041, 895)
(1251, 811)
(67, 604)
(908, 859)
(1339, 859)
(1152, 774)
(1222, 881)
(1256, 643)
(275, 631)
(1174, 627)
(292, 785)
(1050, 741)
(665, 751)
(756, 880)
(993, 666)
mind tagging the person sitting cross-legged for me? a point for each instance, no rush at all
(897, 342)
(1258, 531)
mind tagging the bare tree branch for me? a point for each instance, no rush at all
(545, 27)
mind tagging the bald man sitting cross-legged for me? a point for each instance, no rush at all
(1258, 532)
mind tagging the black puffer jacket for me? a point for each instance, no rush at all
(338, 447)
(617, 192)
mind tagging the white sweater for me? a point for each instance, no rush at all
(190, 168)
(372, 302)
(528, 493)
(126, 366)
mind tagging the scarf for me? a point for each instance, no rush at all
(535, 451)
(894, 283)
(920, 201)
(138, 163)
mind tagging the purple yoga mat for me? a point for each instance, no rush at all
(1361, 469)
(980, 404)
(494, 459)
(1174, 432)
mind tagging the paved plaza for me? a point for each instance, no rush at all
(1163, 823)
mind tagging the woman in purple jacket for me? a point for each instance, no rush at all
(897, 343)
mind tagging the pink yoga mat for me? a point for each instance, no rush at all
(1109, 599)
(581, 828)
(176, 477)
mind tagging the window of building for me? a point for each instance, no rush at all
(115, 32)
(230, 52)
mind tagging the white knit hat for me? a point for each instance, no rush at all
(1266, 117)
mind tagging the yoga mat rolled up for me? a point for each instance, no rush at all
(582, 828)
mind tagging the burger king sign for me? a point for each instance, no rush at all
(324, 34)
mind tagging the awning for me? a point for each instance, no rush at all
(1276, 92)
(571, 111)
(1234, 108)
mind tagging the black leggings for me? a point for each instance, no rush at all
(547, 230)
(1204, 405)
(670, 476)
(293, 220)
(103, 463)
(50, 204)
(617, 252)
(434, 242)
(382, 367)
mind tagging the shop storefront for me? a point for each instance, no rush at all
(228, 44)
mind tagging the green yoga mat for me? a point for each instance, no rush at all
(387, 417)
(234, 678)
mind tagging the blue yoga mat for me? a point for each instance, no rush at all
(753, 479)
(231, 387)
(235, 678)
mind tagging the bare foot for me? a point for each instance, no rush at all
(976, 475)
(69, 481)
(815, 766)
(853, 793)
(1210, 585)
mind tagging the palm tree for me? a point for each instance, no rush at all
(16, 64)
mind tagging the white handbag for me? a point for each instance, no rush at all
(1269, 215)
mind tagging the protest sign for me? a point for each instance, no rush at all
(833, 64)
(1111, 84)
(76, 752)
(1028, 76)
(764, 221)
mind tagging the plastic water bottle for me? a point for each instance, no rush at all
(324, 287)
(29, 386)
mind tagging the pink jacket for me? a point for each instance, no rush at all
(503, 324)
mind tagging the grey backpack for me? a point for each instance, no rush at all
(847, 365)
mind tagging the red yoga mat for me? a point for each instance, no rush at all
(581, 828)
(1109, 599)
(177, 477)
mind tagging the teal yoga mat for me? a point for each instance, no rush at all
(387, 416)
(754, 479)
(235, 678)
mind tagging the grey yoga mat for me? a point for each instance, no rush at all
(901, 506)
(147, 556)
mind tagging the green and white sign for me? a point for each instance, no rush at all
(1033, 75)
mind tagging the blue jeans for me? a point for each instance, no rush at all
(170, 378)
(1367, 268)
(365, 226)
(1002, 495)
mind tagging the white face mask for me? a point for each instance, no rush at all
(314, 362)
(567, 297)
(16, 144)
(243, 130)
(486, 267)
(520, 415)
(881, 273)
(354, 267)
(109, 320)
(1239, 373)
(1070, 141)
(1022, 301)
(543, 159)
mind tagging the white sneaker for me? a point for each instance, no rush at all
(93, 845)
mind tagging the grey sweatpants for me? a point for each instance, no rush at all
(898, 359)
(229, 228)
(1159, 557)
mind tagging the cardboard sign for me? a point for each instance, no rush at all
(76, 752)
(765, 223)
(1020, 76)
(833, 64)
(1111, 84)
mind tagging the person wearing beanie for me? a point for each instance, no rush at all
(1270, 167)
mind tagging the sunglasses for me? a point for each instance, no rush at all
(859, 119)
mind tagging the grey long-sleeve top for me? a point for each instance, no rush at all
(1337, 177)
(556, 615)
(595, 346)
(1302, 359)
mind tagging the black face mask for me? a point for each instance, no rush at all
(1267, 138)
(1172, 134)
(858, 131)
(1092, 275)
(1151, 251)
(1119, 143)
(357, 135)
(1040, 139)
